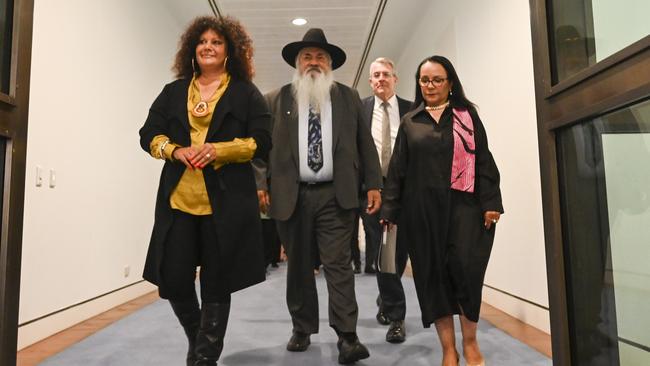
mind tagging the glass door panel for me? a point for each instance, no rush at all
(586, 32)
(605, 190)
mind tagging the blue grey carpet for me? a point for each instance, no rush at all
(260, 327)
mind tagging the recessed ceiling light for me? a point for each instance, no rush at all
(299, 21)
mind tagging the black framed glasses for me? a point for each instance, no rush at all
(436, 81)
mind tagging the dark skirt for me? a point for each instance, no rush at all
(449, 249)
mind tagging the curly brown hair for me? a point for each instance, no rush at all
(239, 43)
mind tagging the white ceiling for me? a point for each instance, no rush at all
(347, 23)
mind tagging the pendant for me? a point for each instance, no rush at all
(200, 109)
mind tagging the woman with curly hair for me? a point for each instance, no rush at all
(207, 126)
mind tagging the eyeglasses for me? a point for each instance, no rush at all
(437, 82)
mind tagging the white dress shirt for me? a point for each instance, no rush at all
(378, 116)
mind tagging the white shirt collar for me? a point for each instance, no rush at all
(392, 101)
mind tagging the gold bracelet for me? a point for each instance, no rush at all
(162, 148)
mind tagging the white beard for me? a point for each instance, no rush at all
(313, 90)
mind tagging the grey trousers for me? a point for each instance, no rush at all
(319, 220)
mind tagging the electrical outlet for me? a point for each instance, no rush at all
(52, 178)
(39, 176)
(127, 271)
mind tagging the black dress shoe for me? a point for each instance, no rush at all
(396, 332)
(370, 270)
(382, 318)
(351, 350)
(299, 342)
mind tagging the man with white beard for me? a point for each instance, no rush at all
(322, 152)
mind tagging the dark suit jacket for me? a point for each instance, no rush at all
(241, 112)
(354, 152)
(369, 104)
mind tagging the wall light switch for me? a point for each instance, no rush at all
(52, 178)
(39, 176)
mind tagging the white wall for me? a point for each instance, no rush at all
(489, 43)
(96, 68)
(390, 38)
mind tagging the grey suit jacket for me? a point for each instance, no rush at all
(354, 152)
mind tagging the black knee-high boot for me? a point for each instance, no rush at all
(189, 315)
(209, 342)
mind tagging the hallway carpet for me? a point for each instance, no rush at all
(260, 326)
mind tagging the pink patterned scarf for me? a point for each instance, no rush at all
(464, 162)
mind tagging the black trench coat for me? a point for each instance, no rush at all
(241, 112)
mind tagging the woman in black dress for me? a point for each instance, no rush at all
(442, 190)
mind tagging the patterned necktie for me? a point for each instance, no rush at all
(385, 140)
(314, 141)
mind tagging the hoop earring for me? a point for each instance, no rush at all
(193, 67)
(225, 61)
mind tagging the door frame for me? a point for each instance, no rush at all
(14, 108)
(610, 84)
